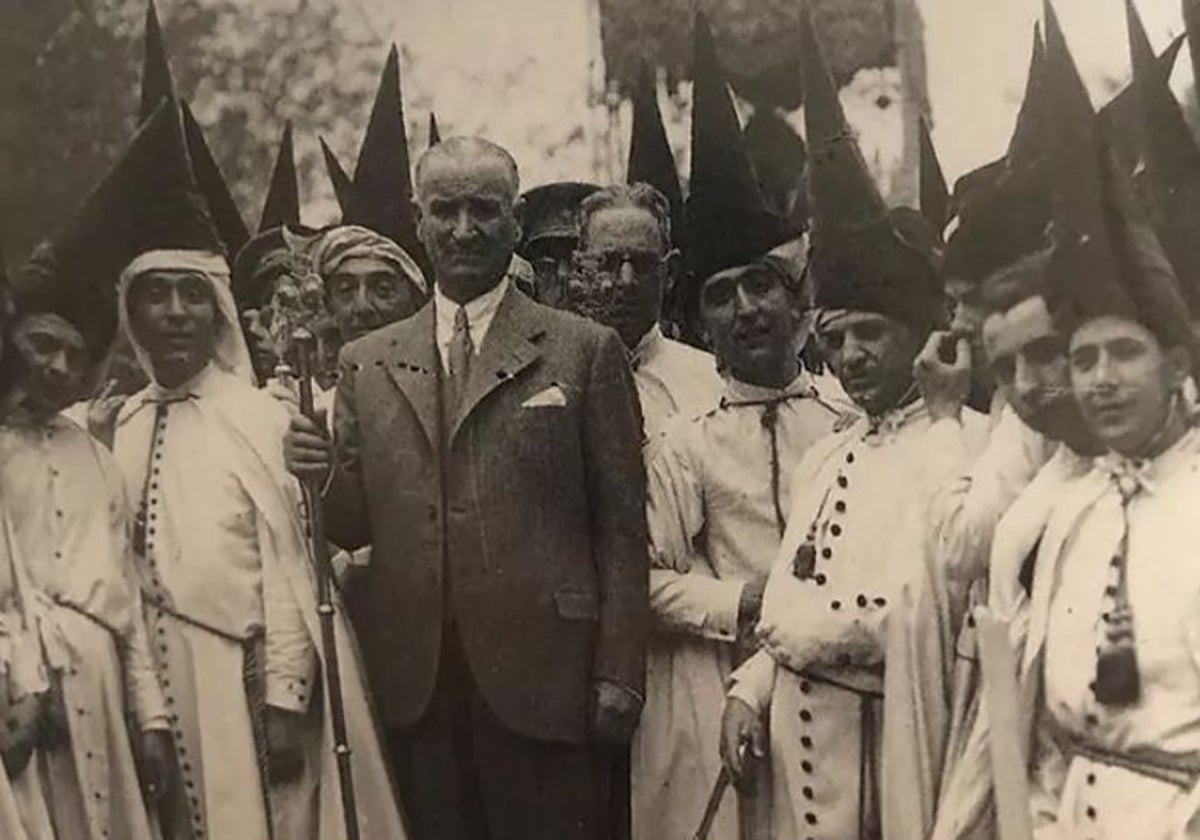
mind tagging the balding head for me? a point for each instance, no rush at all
(468, 153)
(468, 214)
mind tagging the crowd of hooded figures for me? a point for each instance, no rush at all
(645, 517)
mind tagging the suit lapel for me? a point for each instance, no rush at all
(508, 348)
(416, 369)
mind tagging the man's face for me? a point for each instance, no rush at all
(622, 272)
(755, 325)
(1124, 382)
(467, 219)
(550, 257)
(366, 293)
(871, 355)
(54, 362)
(173, 315)
(968, 312)
(1028, 359)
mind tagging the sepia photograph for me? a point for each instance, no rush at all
(599, 420)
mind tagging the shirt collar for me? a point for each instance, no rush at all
(648, 347)
(894, 420)
(480, 310)
(1132, 476)
(194, 388)
(738, 392)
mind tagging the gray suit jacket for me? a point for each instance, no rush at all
(532, 516)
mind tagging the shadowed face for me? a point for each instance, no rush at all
(467, 219)
(1125, 381)
(871, 355)
(53, 362)
(755, 324)
(367, 293)
(1028, 358)
(173, 315)
(621, 272)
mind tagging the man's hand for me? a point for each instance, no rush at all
(157, 755)
(944, 380)
(743, 742)
(307, 449)
(102, 413)
(19, 725)
(285, 745)
(616, 713)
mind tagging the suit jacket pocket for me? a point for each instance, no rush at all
(576, 604)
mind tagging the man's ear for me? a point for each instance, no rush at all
(519, 216)
(1179, 366)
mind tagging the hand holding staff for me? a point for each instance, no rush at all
(304, 344)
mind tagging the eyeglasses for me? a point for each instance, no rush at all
(611, 262)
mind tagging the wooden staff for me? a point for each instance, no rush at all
(304, 343)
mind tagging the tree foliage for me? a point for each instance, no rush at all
(756, 39)
(70, 72)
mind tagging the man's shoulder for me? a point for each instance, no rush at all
(377, 342)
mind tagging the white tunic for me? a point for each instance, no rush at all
(672, 379)
(714, 528)
(858, 601)
(1086, 797)
(69, 519)
(215, 584)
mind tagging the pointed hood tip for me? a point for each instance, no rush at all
(728, 223)
(282, 203)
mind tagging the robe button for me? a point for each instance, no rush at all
(840, 507)
(810, 818)
(806, 742)
(806, 766)
(881, 602)
(835, 605)
(808, 792)
(861, 600)
(805, 715)
(849, 457)
(1091, 778)
(820, 579)
(805, 687)
(843, 482)
(836, 530)
(1091, 812)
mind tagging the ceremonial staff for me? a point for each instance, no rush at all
(304, 344)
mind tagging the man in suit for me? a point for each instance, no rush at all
(489, 448)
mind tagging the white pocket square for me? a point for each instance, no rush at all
(552, 397)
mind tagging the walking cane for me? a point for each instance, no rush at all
(715, 796)
(304, 343)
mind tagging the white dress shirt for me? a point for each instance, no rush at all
(480, 313)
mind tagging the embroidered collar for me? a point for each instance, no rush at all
(895, 419)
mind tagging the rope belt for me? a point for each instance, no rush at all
(253, 678)
(869, 820)
(1181, 771)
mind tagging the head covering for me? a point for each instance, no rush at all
(435, 134)
(650, 158)
(1006, 219)
(335, 245)
(266, 256)
(147, 201)
(865, 257)
(1107, 260)
(728, 223)
(1172, 163)
(337, 176)
(231, 227)
(381, 198)
(552, 212)
(934, 197)
(157, 84)
(1122, 113)
(230, 353)
(1024, 146)
(282, 205)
